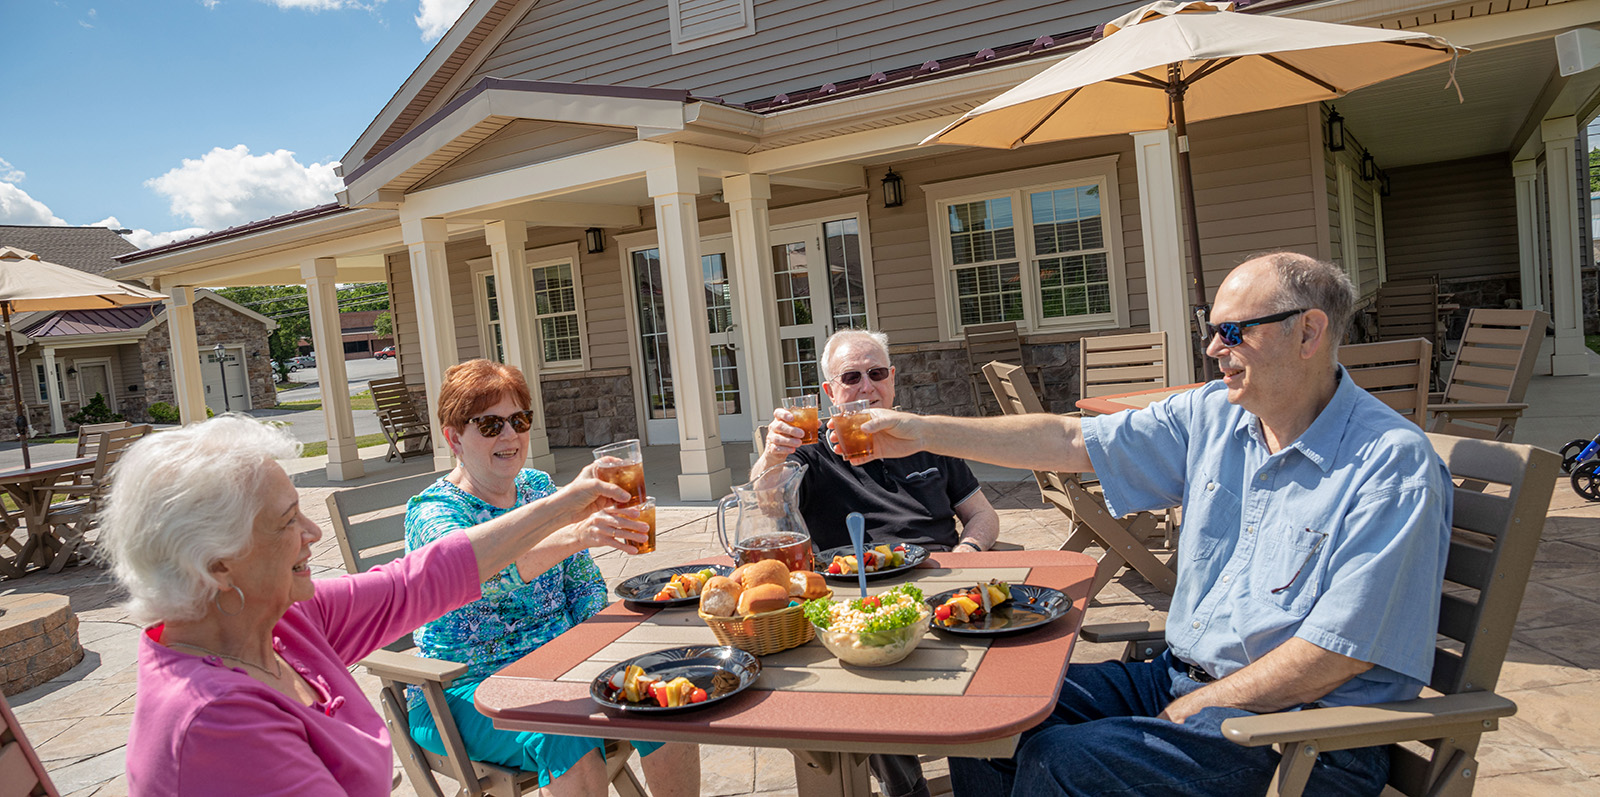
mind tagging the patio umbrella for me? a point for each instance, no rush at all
(29, 284)
(1171, 62)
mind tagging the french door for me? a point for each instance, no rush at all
(819, 282)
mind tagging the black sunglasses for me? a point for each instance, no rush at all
(1232, 332)
(854, 377)
(493, 425)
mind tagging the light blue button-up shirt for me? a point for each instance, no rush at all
(1340, 538)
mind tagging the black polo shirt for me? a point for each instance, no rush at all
(912, 499)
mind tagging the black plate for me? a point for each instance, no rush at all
(1012, 617)
(642, 588)
(915, 555)
(699, 663)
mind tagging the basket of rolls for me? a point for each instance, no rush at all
(757, 606)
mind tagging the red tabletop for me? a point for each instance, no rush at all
(1137, 400)
(1013, 687)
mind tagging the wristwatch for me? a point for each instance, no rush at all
(975, 549)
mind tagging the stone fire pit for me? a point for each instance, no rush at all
(38, 640)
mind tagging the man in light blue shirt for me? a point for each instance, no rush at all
(1316, 525)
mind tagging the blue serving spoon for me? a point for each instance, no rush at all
(857, 526)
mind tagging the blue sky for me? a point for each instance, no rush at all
(179, 116)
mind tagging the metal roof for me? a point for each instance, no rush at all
(94, 322)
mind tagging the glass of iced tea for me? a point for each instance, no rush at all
(790, 548)
(847, 423)
(622, 464)
(804, 409)
(647, 513)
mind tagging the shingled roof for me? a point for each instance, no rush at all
(91, 249)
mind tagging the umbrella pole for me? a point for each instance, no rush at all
(16, 385)
(1175, 91)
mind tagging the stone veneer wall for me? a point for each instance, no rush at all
(932, 378)
(589, 408)
(213, 323)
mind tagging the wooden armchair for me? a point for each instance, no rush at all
(988, 343)
(1495, 536)
(1092, 523)
(22, 774)
(1483, 396)
(369, 522)
(89, 437)
(1113, 364)
(1397, 372)
(409, 434)
(71, 521)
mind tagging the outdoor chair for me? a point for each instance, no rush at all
(1483, 396)
(1091, 522)
(21, 772)
(1112, 364)
(369, 523)
(71, 521)
(1410, 309)
(1495, 536)
(1397, 372)
(991, 342)
(409, 434)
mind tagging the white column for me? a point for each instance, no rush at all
(344, 463)
(436, 323)
(184, 356)
(508, 243)
(58, 424)
(1526, 174)
(704, 475)
(1566, 294)
(747, 196)
(1166, 284)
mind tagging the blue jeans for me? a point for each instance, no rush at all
(1104, 738)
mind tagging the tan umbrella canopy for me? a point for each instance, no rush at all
(29, 284)
(1170, 62)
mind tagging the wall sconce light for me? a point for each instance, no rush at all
(1335, 130)
(1383, 183)
(1369, 169)
(255, 354)
(162, 363)
(894, 190)
(71, 372)
(594, 239)
(133, 388)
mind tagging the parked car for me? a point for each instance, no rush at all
(302, 361)
(384, 353)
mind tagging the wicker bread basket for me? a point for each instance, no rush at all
(767, 632)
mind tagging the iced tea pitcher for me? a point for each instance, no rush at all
(769, 524)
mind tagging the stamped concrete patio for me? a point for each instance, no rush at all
(79, 721)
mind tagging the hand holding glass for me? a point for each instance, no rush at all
(804, 410)
(622, 464)
(847, 423)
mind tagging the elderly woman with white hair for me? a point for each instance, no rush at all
(243, 681)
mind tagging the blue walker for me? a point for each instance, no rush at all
(1581, 458)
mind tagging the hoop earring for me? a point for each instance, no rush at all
(216, 600)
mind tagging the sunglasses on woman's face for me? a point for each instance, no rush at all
(1232, 332)
(492, 425)
(853, 378)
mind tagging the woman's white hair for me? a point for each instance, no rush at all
(845, 337)
(183, 500)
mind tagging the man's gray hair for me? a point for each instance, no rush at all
(1305, 281)
(849, 336)
(182, 501)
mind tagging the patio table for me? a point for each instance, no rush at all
(1137, 400)
(29, 489)
(952, 696)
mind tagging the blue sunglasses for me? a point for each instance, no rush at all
(1232, 332)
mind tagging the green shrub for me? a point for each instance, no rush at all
(162, 412)
(95, 411)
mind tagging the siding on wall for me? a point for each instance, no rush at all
(403, 304)
(798, 43)
(1456, 219)
(526, 141)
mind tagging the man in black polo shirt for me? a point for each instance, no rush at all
(916, 499)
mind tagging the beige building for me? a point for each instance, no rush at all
(662, 218)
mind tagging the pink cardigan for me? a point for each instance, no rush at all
(203, 728)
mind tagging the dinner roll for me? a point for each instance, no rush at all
(808, 585)
(763, 598)
(766, 571)
(720, 596)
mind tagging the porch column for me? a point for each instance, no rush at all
(436, 324)
(508, 243)
(1566, 288)
(184, 357)
(704, 475)
(1526, 175)
(747, 196)
(1165, 280)
(344, 463)
(58, 424)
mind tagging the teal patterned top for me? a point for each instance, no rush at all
(514, 616)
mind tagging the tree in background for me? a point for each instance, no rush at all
(287, 304)
(383, 325)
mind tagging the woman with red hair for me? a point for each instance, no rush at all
(485, 416)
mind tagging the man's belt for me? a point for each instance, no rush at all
(1193, 671)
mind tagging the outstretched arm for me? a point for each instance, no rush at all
(1039, 441)
(1293, 673)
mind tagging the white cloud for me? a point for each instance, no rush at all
(11, 174)
(16, 207)
(226, 187)
(145, 239)
(435, 17)
(325, 5)
(210, 3)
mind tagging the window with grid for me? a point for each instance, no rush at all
(494, 347)
(842, 246)
(983, 251)
(41, 387)
(1069, 252)
(555, 307)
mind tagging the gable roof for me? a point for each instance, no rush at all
(94, 322)
(90, 249)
